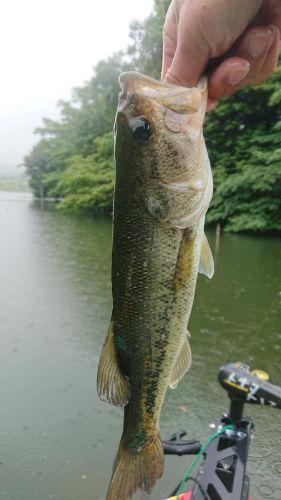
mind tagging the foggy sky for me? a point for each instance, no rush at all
(47, 48)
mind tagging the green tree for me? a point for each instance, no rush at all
(39, 165)
(146, 49)
(87, 183)
(243, 140)
(73, 159)
(89, 115)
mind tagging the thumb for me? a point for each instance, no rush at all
(187, 64)
(184, 57)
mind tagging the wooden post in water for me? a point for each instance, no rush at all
(218, 235)
(42, 197)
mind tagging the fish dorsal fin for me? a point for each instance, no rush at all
(182, 365)
(112, 386)
(206, 265)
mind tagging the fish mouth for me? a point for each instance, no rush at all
(133, 79)
(183, 186)
(182, 100)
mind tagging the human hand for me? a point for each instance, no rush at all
(244, 34)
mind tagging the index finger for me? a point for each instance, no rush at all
(169, 49)
(270, 13)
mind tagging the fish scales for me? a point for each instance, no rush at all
(162, 191)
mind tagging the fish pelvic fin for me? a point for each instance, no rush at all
(136, 469)
(112, 385)
(182, 365)
(206, 265)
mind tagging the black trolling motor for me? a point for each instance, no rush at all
(222, 474)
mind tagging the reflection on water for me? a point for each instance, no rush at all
(57, 439)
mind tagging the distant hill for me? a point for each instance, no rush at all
(13, 178)
(10, 170)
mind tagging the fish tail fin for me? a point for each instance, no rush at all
(136, 470)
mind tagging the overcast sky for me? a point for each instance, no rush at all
(48, 47)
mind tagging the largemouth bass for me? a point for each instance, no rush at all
(162, 192)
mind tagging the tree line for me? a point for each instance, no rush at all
(73, 159)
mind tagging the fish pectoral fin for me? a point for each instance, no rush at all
(206, 265)
(182, 365)
(112, 385)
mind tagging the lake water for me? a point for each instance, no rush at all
(57, 439)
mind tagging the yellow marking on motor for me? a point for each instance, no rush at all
(237, 386)
(260, 374)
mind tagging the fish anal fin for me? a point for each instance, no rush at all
(182, 365)
(136, 469)
(206, 265)
(112, 385)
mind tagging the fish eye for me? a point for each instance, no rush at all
(141, 129)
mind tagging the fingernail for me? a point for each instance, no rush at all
(211, 104)
(236, 75)
(259, 43)
(227, 92)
